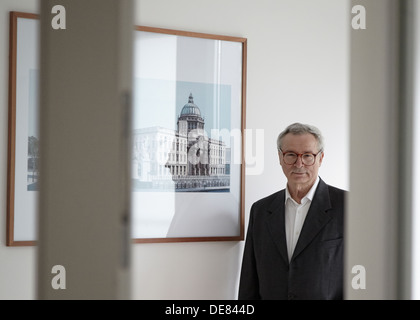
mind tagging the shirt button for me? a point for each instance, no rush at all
(290, 296)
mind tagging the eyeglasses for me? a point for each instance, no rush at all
(308, 159)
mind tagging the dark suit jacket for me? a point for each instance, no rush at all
(316, 268)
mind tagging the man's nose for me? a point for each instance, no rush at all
(299, 162)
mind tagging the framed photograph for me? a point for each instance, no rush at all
(188, 151)
(189, 117)
(23, 144)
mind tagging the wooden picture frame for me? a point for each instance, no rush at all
(201, 201)
(21, 200)
(198, 81)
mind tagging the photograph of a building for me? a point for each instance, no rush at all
(185, 159)
(33, 164)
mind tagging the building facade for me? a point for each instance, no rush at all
(185, 159)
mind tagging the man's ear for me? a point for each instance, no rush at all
(321, 158)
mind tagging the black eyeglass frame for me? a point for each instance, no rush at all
(300, 155)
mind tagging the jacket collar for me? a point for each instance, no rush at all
(317, 217)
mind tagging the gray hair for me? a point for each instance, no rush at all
(299, 128)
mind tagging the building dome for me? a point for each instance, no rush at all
(190, 108)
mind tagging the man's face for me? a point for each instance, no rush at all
(299, 174)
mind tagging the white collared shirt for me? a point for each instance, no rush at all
(295, 215)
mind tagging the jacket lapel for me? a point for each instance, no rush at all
(316, 218)
(276, 224)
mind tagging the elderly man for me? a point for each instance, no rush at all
(294, 244)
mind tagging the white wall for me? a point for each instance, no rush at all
(297, 71)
